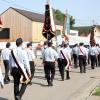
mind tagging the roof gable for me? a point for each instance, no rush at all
(34, 16)
(31, 15)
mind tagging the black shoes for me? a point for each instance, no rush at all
(30, 83)
(62, 80)
(50, 84)
(6, 81)
(67, 78)
(18, 98)
(2, 86)
(82, 71)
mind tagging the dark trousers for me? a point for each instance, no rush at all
(75, 60)
(93, 61)
(45, 70)
(50, 71)
(32, 67)
(88, 59)
(16, 76)
(82, 63)
(61, 68)
(96, 61)
(6, 65)
(67, 71)
(99, 60)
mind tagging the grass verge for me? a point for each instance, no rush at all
(97, 91)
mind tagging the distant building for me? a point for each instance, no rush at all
(73, 32)
(83, 30)
(97, 31)
(25, 24)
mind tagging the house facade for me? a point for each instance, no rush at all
(25, 24)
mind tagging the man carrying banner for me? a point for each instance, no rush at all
(49, 58)
(19, 64)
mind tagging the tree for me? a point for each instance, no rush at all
(61, 18)
(72, 22)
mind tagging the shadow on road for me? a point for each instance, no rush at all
(3, 98)
(43, 85)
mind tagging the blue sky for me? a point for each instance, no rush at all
(85, 12)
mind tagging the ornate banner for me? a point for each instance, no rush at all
(92, 39)
(49, 27)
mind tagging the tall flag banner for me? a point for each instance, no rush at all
(92, 39)
(1, 23)
(49, 26)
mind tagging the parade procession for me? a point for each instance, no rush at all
(44, 58)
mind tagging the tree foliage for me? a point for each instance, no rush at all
(61, 18)
(72, 22)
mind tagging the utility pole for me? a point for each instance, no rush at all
(64, 24)
(48, 1)
(93, 22)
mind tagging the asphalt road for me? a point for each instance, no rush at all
(78, 87)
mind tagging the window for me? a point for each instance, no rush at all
(5, 33)
(58, 32)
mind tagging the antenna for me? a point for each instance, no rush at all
(93, 22)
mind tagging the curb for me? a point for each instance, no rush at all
(85, 91)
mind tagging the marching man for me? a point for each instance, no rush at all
(19, 64)
(66, 58)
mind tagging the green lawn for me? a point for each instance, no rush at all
(97, 91)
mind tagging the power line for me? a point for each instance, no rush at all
(16, 5)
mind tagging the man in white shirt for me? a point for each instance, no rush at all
(5, 56)
(66, 59)
(31, 57)
(93, 55)
(83, 55)
(49, 57)
(16, 71)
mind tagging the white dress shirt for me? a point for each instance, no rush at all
(66, 53)
(82, 51)
(5, 53)
(75, 50)
(59, 51)
(23, 58)
(50, 54)
(43, 49)
(31, 55)
(93, 51)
